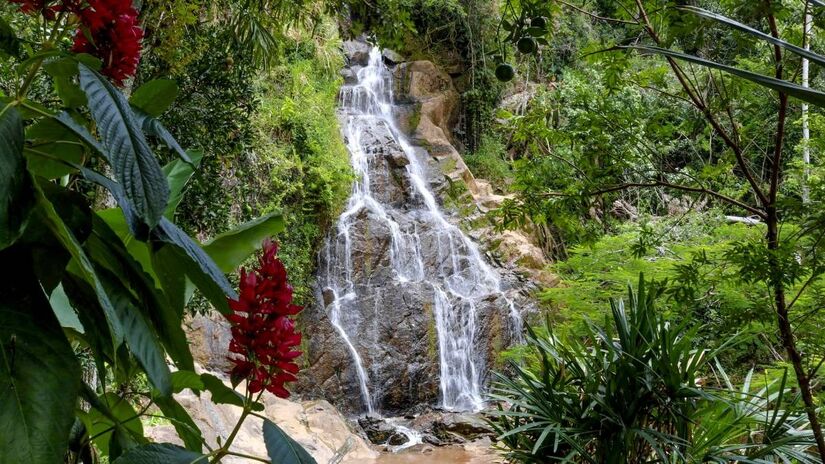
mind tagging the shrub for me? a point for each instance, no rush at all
(630, 392)
(488, 162)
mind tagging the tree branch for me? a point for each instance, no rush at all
(700, 105)
(685, 188)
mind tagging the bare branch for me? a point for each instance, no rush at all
(685, 188)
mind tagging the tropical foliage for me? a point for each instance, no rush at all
(707, 64)
(634, 391)
(96, 296)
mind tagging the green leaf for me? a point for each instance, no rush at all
(230, 249)
(221, 394)
(154, 97)
(200, 268)
(187, 429)
(135, 167)
(152, 126)
(87, 272)
(15, 185)
(182, 380)
(64, 72)
(39, 374)
(108, 414)
(9, 43)
(61, 67)
(813, 97)
(818, 59)
(69, 122)
(281, 448)
(178, 173)
(54, 148)
(63, 309)
(170, 268)
(140, 337)
(69, 92)
(137, 229)
(161, 453)
(38, 57)
(109, 251)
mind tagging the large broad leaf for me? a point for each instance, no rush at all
(66, 120)
(135, 166)
(154, 97)
(281, 448)
(223, 394)
(171, 268)
(15, 185)
(199, 266)
(49, 257)
(184, 425)
(181, 380)
(53, 149)
(109, 251)
(178, 173)
(65, 312)
(39, 374)
(818, 59)
(63, 72)
(136, 228)
(230, 249)
(9, 43)
(139, 335)
(813, 97)
(84, 266)
(161, 453)
(112, 416)
(152, 126)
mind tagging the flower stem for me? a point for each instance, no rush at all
(254, 458)
(224, 449)
(54, 36)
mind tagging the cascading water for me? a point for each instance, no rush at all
(455, 276)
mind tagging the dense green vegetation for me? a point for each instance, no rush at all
(661, 137)
(627, 392)
(93, 173)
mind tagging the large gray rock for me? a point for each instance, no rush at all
(316, 425)
(356, 52)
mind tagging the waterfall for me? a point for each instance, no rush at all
(456, 273)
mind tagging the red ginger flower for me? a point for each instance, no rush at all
(263, 334)
(110, 31)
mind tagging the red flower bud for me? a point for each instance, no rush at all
(263, 334)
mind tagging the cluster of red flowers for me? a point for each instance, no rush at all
(263, 334)
(109, 30)
(112, 33)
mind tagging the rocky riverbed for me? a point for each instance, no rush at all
(331, 438)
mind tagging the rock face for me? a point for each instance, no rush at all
(427, 110)
(316, 425)
(405, 300)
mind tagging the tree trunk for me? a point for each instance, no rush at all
(786, 332)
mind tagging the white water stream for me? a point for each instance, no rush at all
(459, 276)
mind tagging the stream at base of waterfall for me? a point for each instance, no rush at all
(456, 278)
